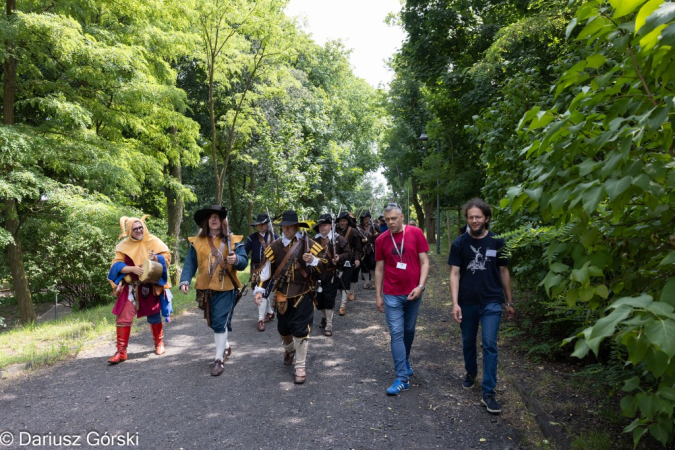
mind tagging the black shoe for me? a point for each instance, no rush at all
(469, 381)
(491, 404)
(323, 323)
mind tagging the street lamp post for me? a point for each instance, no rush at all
(424, 138)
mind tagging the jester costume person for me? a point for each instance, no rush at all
(136, 298)
(217, 282)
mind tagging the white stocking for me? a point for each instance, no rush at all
(343, 303)
(262, 308)
(221, 344)
(300, 353)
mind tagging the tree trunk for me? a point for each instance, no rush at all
(15, 257)
(251, 191)
(447, 219)
(416, 204)
(12, 224)
(429, 215)
(175, 208)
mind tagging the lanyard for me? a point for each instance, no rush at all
(400, 253)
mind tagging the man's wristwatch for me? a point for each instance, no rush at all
(509, 304)
(421, 287)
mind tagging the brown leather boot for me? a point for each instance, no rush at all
(122, 343)
(158, 337)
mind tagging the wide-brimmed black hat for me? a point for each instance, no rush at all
(366, 214)
(380, 218)
(205, 213)
(347, 215)
(290, 217)
(325, 218)
(261, 219)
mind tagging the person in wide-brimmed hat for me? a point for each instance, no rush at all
(337, 252)
(135, 297)
(256, 243)
(291, 263)
(347, 229)
(369, 233)
(217, 255)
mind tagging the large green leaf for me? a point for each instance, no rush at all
(645, 12)
(642, 301)
(661, 16)
(669, 259)
(668, 293)
(624, 7)
(631, 384)
(661, 332)
(606, 326)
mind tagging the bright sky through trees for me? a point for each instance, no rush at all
(360, 24)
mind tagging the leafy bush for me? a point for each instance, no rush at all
(602, 162)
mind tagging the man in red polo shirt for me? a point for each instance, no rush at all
(401, 270)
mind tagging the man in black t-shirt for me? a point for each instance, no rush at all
(479, 284)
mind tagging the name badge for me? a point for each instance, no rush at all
(491, 253)
(400, 265)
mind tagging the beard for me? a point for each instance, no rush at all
(477, 232)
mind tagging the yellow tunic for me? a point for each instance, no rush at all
(205, 260)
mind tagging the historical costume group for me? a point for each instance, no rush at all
(292, 272)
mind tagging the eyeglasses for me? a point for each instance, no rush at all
(137, 229)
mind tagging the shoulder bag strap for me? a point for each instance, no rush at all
(285, 260)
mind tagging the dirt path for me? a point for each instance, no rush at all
(171, 402)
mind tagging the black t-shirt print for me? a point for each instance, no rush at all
(479, 261)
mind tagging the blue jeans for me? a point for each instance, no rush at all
(489, 317)
(401, 317)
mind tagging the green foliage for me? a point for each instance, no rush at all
(601, 160)
(112, 118)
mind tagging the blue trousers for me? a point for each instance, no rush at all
(401, 316)
(488, 316)
(222, 306)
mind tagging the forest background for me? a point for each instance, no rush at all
(558, 113)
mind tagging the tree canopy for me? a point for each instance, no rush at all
(163, 107)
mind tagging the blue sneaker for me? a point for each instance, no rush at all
(410, 369)
(397, 387)
(491, 404)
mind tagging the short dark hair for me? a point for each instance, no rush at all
(480, 204)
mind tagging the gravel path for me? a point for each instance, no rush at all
(171, 402)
